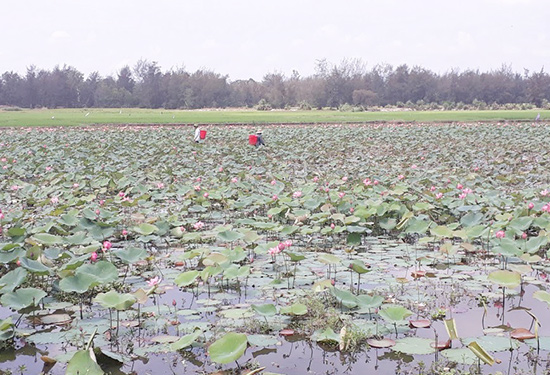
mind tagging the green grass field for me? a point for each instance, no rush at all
(75, 117)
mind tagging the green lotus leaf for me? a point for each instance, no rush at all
(12, 279)
(22, 298)
(344, 297)
(542, 295)
(186, 278)
(34, 266)
(131, 255)
(358, 266)
(145, 229)
(262, 340)
(442, 231)
(230, 236)
(115, 300)
(296, 309)
(265, 310)
(461, 355)
(229, 348)
(83, 362)
(505, 278)
(414, 345)
(103, 271)
(79, 283)
(295, 257)
(185, 341)
(394, 314)
(47, 239)
(325, 335)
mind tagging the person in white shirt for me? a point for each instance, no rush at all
(197, 136)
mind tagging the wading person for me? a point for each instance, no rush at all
(259, 139)
(197, 136)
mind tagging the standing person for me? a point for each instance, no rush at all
(197, 136)
(259, 139)
(538, 117)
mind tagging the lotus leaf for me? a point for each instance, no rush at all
(414, 345)
(325, 335)
(395, 314)
(115, 300)
(265, 310)
(83, 362)
(505, 278)
(22, 298)
(229, 348)
(12, 279)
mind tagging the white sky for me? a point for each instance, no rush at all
(249, 38)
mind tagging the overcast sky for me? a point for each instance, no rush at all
(249, 38)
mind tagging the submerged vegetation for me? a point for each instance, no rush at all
(413, 247)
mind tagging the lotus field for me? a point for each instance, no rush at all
(410, 248)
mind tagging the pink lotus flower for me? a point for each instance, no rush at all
(97, 212)
(351, 209)
(197, 187)
(459, 186)
(344, 178)
(107, 245)
(220, 169)
(315, 179)
(121, 194)
(198, 179)
(274, 197)
(544, 193)
(160, 185)
(124, 232)
(54, 200)
(288, 243)
(2, 216)
(531, 205)
(48, 169)
(467, 191)
(524, 235)
(376, 182)
(205, 195)
(462, 195)
(297, 194)
(101, 202)
(414, 166)
(75, 185)
(154, 281)
(367, 182)
(274, 251)
(234, 180)
(198, 225)
(332, 226)
(500, 234)
(341, 194)
(439, 196)
(400, 177)
(93, 256)
(432, 188)
(5, 167)
(273, 182)
(545, 208)
(281, 246)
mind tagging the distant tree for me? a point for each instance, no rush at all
(12, 89)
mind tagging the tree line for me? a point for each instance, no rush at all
(348, 84)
